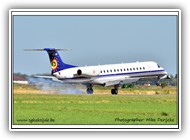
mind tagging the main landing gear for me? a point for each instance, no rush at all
(89, 89)
(115, 90)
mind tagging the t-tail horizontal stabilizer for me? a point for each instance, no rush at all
(55, 60)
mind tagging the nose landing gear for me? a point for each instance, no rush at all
(158, 82)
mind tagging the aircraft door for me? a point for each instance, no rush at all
(148, 67)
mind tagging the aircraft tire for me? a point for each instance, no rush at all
(114, 91)
(89, 91)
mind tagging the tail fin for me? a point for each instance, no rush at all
(55, 60)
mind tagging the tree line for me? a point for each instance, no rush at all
(152, 81)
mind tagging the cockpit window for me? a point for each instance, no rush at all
(158, 66)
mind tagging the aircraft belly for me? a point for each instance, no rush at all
(146, 75)
(130, 80)
(107, 81)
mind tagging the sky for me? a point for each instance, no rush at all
(94, 40)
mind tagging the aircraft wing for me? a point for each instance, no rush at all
(48, 77)
(118, 80)
(108, 81)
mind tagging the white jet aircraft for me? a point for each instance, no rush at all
(103, 75)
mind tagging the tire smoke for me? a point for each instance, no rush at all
(51, 86)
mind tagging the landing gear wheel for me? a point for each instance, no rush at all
(114, 91)
(89, 90)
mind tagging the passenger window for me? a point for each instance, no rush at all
(130, 69)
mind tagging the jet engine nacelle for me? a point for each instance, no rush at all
(88, 71)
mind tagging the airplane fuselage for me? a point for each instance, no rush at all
(110, 74)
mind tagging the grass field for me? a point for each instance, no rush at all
(94, 109)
